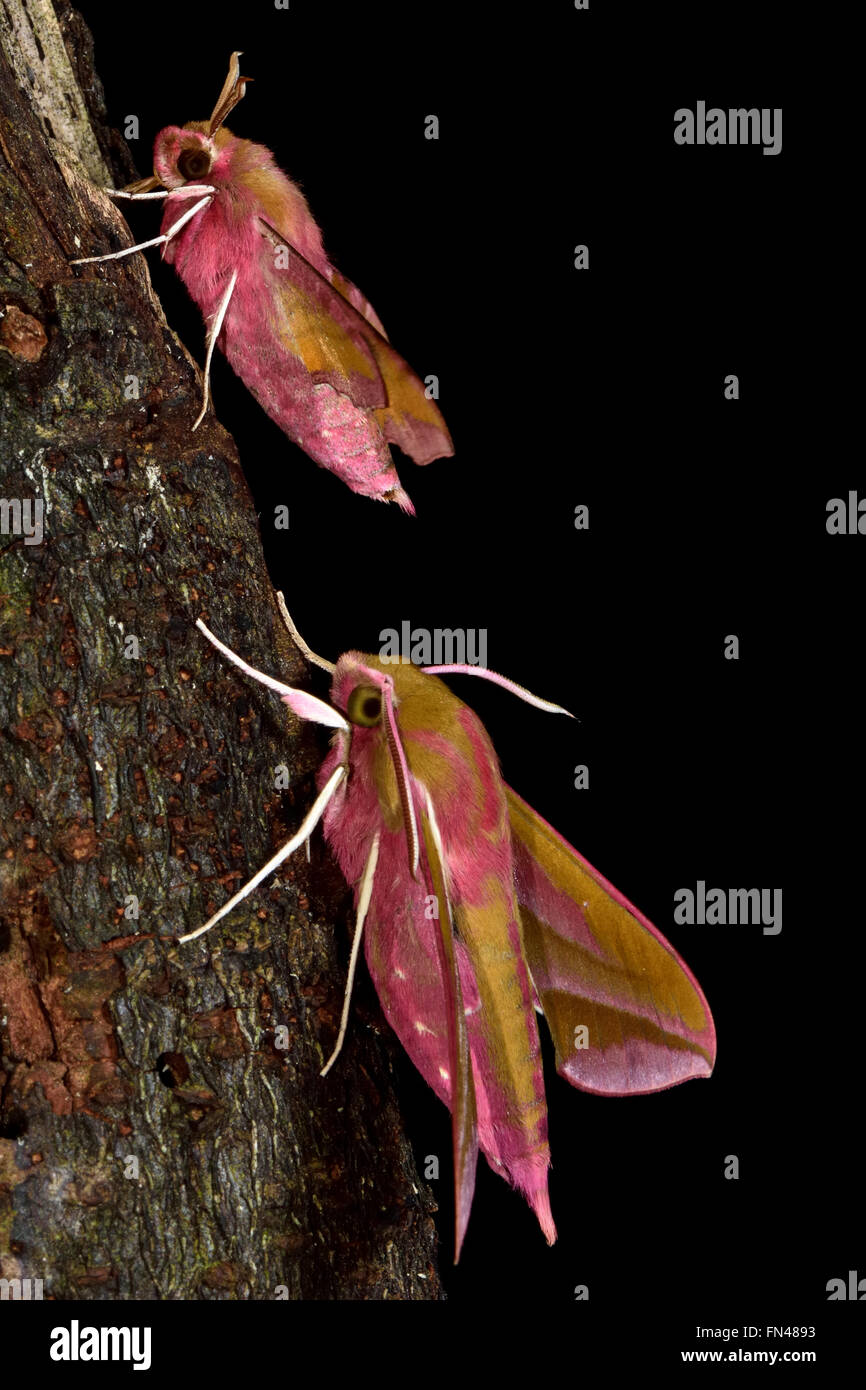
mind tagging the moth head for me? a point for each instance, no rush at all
(189, 155)
(358, 691)
(364, 686)
(361, 698)
(183, 156)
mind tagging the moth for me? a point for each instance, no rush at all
(304, 340)
(476, 915)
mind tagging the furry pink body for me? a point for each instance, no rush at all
(403, 952)
(306, 342)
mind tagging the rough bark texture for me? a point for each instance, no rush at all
(157, 1141)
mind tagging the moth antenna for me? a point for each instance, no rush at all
(306, 829)
(233, 89)
(298, 639)
(304, 705)
(213, 334)
(367, 879)
(401, 768)
(519, 690)
(154, 241)
(132, 190)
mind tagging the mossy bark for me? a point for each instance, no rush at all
(165, 1132)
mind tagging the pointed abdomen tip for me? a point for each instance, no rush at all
(539, 1200)
(402, 498)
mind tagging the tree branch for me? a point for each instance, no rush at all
(164, 1129)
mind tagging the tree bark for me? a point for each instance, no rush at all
(158, 1140)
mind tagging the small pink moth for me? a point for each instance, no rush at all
(306, 342)
(476, 914)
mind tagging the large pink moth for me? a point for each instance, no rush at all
(476, 914)
(306, 342)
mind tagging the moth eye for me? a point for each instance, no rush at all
(194, 164)
(365, 705)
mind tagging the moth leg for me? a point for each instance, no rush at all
(155, 241)
(298, 639)
(306, 829)
(135, 197)
(189, 190)
(366, 892)
(213, 334)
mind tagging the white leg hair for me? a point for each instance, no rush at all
(298, 639)
(364, 895)
(213, 334)
(307, 827)
(155, 241)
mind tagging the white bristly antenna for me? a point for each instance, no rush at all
(298, 639)
(304, 705)
(519, 690)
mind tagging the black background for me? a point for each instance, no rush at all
(707, 518)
